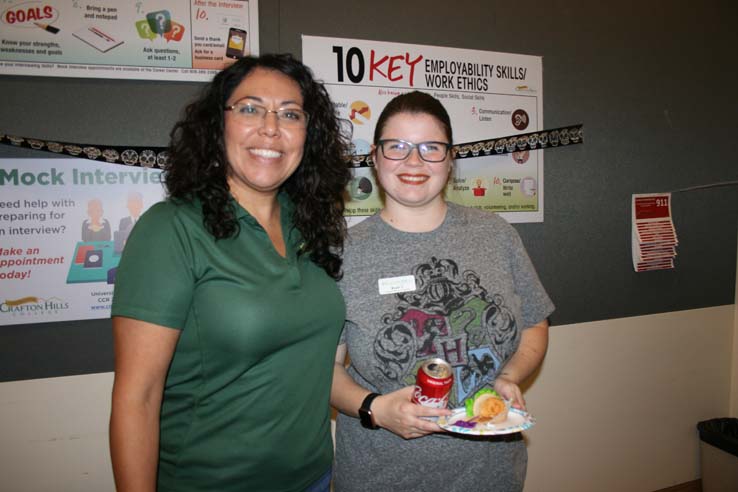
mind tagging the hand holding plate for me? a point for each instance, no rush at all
(510, 391)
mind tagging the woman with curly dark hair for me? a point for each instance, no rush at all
(226, 314)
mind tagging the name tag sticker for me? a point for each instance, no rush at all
(396, 284)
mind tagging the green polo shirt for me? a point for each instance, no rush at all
(246, 397)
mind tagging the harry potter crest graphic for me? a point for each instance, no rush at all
(450, 315)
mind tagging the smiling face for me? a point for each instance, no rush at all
(412, 182)
(262, 155)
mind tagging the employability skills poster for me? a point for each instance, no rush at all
(148, 39)
(63, 226)
(487, 95)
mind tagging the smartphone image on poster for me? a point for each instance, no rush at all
(236, 43)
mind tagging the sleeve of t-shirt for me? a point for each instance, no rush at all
(155, 278)
(536, 305)
(342, 338)
(347, 325)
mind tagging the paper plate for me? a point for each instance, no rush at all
(458, 422)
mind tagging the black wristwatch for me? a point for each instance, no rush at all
(365, 411)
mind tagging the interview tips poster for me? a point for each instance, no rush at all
(487, 95)
(146, 39)
(63, 226)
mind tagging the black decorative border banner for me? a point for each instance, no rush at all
(544, 139)
(130, 156)
(159, 157)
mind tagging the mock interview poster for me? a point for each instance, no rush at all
(487, 95)
(145, 39)
(63, 226)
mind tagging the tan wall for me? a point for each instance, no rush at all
(616, 406)
(734, 369)
(617, 401)
(55, 436)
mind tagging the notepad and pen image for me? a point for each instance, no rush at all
(48, 27)
(97, 38)
(94, 261)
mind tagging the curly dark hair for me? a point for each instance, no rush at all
(198, 166)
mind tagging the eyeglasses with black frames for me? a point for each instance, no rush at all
(397, 150)
(254, 114)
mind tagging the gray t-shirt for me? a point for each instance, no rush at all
(475, 291)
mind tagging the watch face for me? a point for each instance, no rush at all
(366, 419)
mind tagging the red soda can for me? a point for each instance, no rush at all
(433, 384)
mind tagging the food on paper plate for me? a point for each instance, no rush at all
(487, 406)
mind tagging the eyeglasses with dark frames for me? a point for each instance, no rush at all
(397, 150)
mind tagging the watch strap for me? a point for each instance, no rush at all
(365, 412)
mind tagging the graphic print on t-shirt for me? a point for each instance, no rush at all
(451, 316)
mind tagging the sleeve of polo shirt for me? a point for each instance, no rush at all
(155, 279)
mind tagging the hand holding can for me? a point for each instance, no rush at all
(433, 383)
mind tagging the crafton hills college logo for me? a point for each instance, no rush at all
(31, 305)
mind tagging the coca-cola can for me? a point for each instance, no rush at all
(433, 384)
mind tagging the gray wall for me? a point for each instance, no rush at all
(652, 82)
